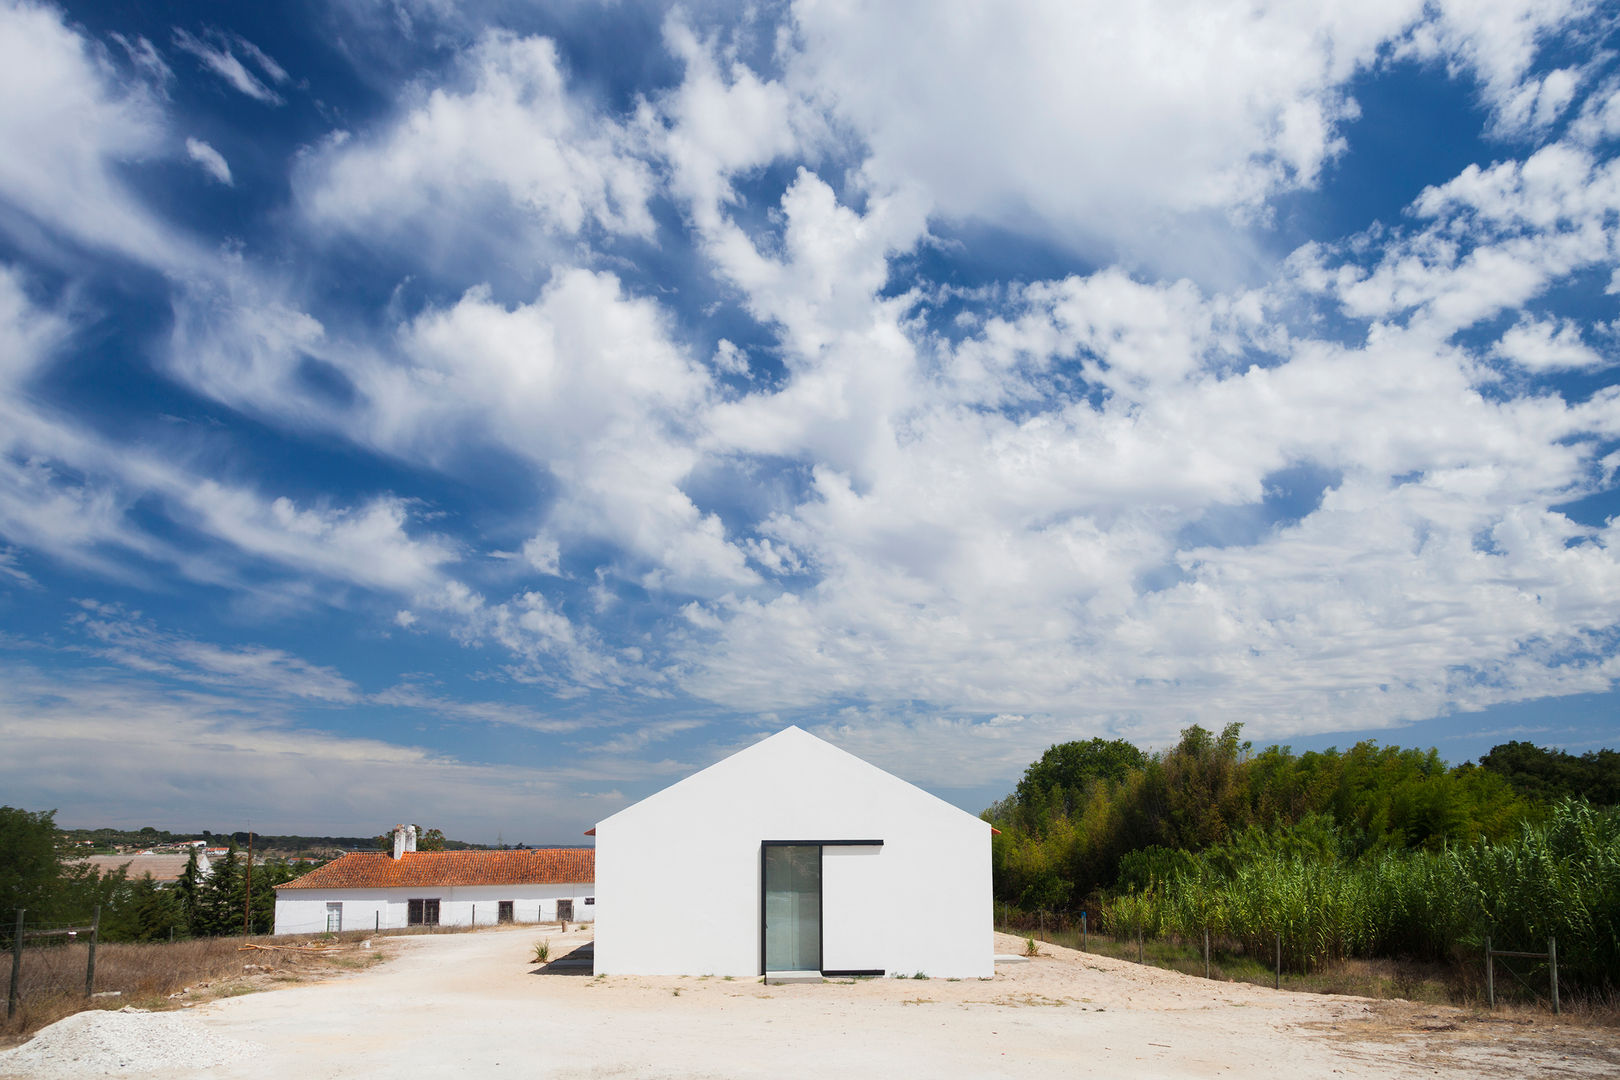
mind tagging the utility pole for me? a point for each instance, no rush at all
(247, 893)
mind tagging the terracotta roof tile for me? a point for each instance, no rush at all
(379, 870)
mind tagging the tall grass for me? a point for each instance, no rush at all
(1557, 878)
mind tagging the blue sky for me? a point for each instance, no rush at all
(485, 415)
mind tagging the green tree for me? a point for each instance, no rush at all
(1548, 774)
(30, 864)
(426, 840)
(220, 898)
(144, 911)
(1071, 769)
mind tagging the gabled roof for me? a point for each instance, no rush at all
(432, 869)
(792, 756)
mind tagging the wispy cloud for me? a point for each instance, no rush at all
(217, 52)
(211, 160)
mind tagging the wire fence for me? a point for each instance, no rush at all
(48, 960)
(1488, 974)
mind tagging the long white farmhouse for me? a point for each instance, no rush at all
(793, 856)
(376, 890)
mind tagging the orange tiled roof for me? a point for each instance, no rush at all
(380, 870)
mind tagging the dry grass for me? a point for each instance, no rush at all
(1460, 984)
(162, 975)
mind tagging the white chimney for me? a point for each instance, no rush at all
(399, 841)
(410, 838)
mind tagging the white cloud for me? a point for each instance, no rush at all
(585, 383)
(28, 333)
(721, 120)
(68, 124)
(460, 161)
(1549, 345)
(543, 553)
(1492, 239)
(1051, 562)
(127, 639)
(1103, 121)
(182, 757)
(212, 161)
(217, 53)
(547, 646)
(10, 569)
(144, 56)
(411, 696)
(1498, 41)
(365, 545)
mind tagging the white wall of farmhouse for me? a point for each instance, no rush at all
(679, 875)
(303, 911)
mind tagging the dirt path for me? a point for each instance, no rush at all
(472, 1004)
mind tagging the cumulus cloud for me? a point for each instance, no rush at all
(1094, 119)
(1549, 345)
(774, 466)
(511, 136)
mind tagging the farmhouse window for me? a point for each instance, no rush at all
(565, 910)
(422, 912)
(334, 916)
(590, 901)
(503, 911)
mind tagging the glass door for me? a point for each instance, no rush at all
(792, 907)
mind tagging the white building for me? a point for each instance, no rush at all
(376, 890)
(793, 855)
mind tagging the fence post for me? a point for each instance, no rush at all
(16, 966)
(1043, 924)
(1490, 975)
(1138, 944)
(1552, 957)
(90, 964)
(1276, 983)
(1206, 952)
(378, 920)
(1085, 936)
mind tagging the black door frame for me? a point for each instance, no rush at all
(821, 914)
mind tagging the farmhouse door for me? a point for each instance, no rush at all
(792, 907)
(565, 911)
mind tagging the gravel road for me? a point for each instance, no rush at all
(474, 1005)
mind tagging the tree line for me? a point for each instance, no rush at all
(1371, 851)
(40, 872)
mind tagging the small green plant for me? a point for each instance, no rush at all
(676, 992)
(920, 975)
(542, 951)
(1030, 947)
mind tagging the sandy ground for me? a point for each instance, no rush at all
(475, 1005)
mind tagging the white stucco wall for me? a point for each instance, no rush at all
(303, 911)
(678, 874)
